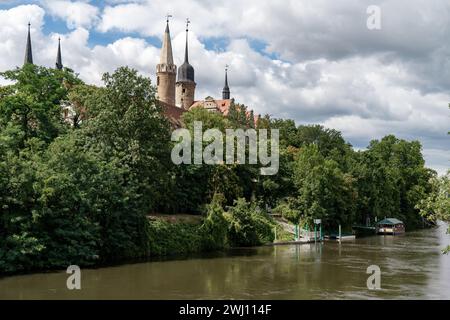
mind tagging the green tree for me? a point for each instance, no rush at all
(248, 226)
(33, 102)
(324, 191)
(436, 206)
(215, 226)
(83, 197)
(79, 97)
(231, 180)
(209, 120)
(129, 129)
(288, 132)
(402, 178)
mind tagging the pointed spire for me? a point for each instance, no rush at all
(59, 64)
(28, 50)
(166, 70)
(166, 52)
(226, 88)
(186, 53)
(186, 71)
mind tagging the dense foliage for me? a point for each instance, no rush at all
(333, 182)
(79, 190)
(437, 205)
(78, 195)
(248, 226)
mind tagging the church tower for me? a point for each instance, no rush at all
(28, 50)
(166, 70)
(226, 88)
(185, 87)
(59, 64)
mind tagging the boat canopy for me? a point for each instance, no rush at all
(389, 221)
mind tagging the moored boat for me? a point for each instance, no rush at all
(390, 226)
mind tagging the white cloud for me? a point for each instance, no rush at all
(13, 32)
(332, 70)
(438, 159)
(75, 13)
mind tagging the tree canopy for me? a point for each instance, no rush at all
(80, 188)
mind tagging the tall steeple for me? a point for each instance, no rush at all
(185, 87)
(166, 52)
(59, 64)
(186, 71)
(28, 50)
(226, 88)
(186, 51)
(166, 70)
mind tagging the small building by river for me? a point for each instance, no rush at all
(390, 226)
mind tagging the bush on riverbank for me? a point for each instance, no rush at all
(248, 226)
(242, 225)
(167, 238)
(215, 227)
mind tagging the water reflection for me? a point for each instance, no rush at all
(411, 265)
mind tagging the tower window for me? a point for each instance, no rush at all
(157, 81)
(184, 90)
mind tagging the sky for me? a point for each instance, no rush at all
(316, 62)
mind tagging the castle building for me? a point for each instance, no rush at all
(185, 86)
(176, 95)
(166, 71)
(183, 90)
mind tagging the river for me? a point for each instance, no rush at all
(412, 267)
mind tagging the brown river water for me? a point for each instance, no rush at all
(412, 267)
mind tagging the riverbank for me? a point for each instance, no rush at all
(172, 237)
(181, 236)
(412, 267)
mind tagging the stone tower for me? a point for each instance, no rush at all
(59, 64)
(28, 50)
(226, 88)
(166, 71)
(185, 87)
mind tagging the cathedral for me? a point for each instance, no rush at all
(29, 51)
(176, 86)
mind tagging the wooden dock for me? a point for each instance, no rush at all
(348, 237)
(363, 231)
(300, 241)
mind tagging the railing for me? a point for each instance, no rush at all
(309, 235)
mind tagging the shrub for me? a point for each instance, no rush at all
(248, 226)
(167, 238)
(215, 227)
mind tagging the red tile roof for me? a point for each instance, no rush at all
(173, 113)
(223, 106)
